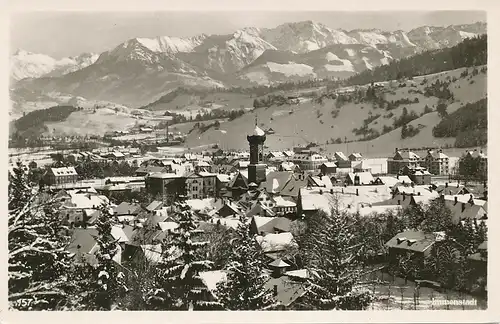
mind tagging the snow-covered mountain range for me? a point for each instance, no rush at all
(25, 64)
(140, 70)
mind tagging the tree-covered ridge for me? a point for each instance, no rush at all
(255, 90)
(38, 118)
(470, 52)
(469, 124)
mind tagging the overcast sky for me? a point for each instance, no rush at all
(62, 34)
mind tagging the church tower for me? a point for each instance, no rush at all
(256, 168)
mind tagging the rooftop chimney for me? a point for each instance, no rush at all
(357, 192)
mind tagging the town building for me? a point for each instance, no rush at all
(308, 160)
(419, 175)
(200, 185)
(402, 159)
(355, 157)
(328, 168)
(417, 243)
(58, 176)
(168, 186)
(437, 162)
(343, 161)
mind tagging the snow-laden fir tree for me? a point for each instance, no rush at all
(104, 285)
(38, 263)
(179, 284)
(330, 251)
(245, 287)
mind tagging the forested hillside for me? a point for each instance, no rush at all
(470, 52)
(469, 124)
(40, 117)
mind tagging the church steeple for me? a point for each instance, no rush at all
(256, 168)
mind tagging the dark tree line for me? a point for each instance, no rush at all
(470, 52)
(469, 124)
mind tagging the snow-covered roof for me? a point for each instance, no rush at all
(228, 222)
(202, 164)
(330, 164)
(278, 263)
(223, 177)
(301, 273)
(201, 204)
(341, 155)
(276, 242)
(165, 226)
(164, 175)
(438, 155)
(365, 178)
(313, 200)
(366, 210)
(119, 234)
(117, 154)
(65, 171)
(282, 202)
(388, 181)
(207, 174)
(87, 201)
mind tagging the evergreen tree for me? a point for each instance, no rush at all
(245, 286)
(331, 254)
(449, 264)
(98, 281)
(178, 282)
(38, 263)
(437, 217)
(108, 279)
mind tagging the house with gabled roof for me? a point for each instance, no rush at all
(448, 189)
(359, 179)
(230, 209)
(83, 246)
(417, 243)
(465, 207)
(57, 176)
(318, 181)
(401, 159)
(356, 156)
(328, 168)
(238, 185)
(341, 160)
(262, 225)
